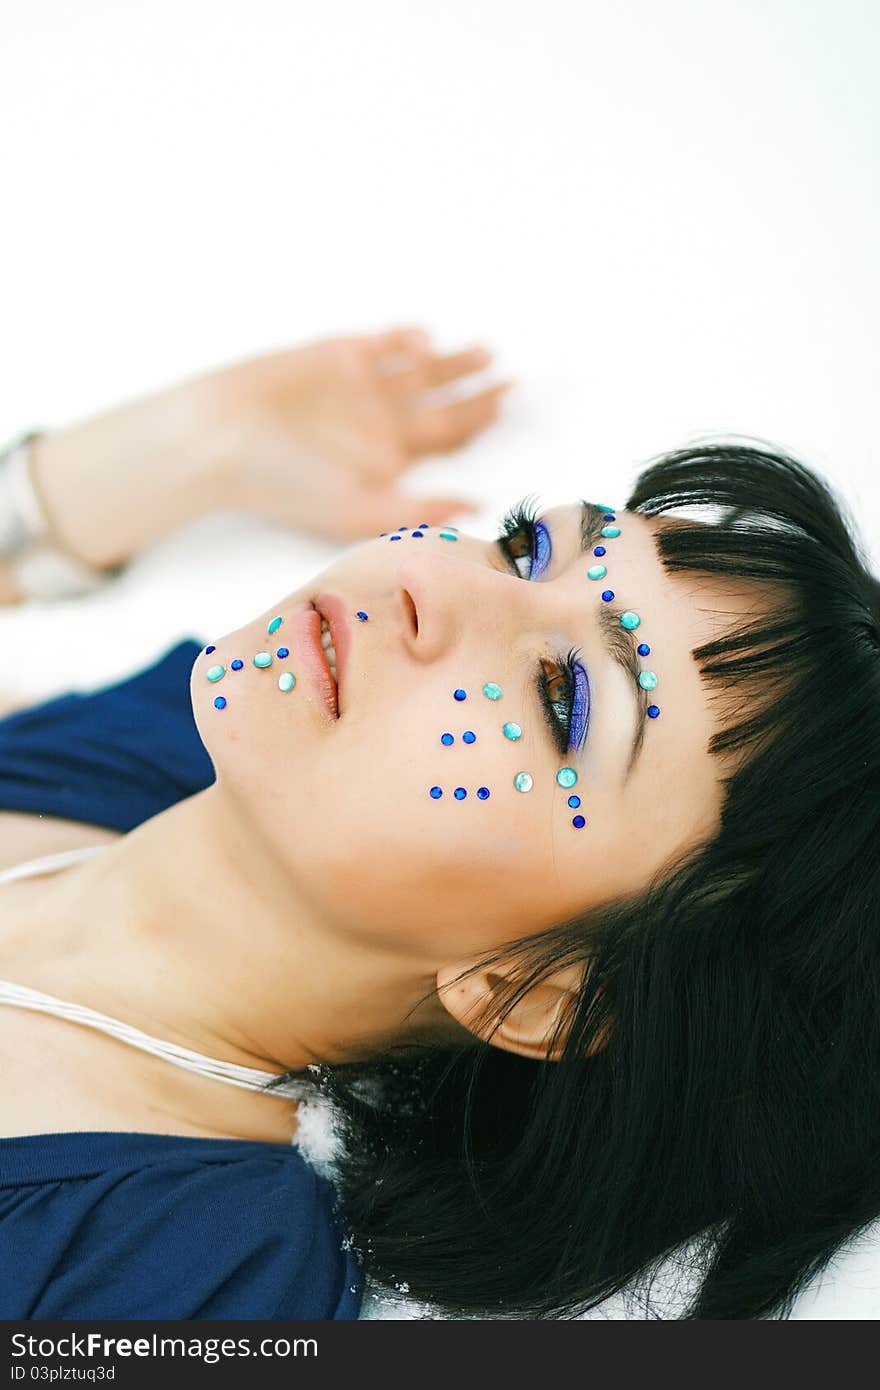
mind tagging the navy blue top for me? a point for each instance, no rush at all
(98, 1224)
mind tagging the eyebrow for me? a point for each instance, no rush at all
(616, 639)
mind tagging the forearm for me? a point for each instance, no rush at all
(113, 484)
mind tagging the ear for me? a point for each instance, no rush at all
(528, 1027)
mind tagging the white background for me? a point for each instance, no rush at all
(661, 215)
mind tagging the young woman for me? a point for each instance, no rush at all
(554, 867)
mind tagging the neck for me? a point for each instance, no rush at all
(188, 929)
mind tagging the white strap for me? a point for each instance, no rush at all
(23, 997)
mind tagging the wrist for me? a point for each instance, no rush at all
(111, 485)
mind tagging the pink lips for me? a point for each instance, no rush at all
(305, 640)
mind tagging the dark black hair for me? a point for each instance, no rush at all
(735, 1107)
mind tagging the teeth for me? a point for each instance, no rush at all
(329, 649)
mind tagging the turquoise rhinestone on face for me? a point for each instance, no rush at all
(287, 681)
(647, 680)
(596, 572)
(215, 673)
(263, 659)
(512, 731)
(610, 531)
(566, 777)
(629, 620)
(523, 781)
(447, 536)
(274, 625)
(492, 691)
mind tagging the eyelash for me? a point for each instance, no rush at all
(523, 519)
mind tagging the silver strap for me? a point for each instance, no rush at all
(22, 519)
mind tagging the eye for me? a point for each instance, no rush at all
(525, 542)
(564, 693)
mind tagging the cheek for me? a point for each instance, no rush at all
(348, 812)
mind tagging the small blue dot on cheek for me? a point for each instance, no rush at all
(460, 793)
(208, 650)
(220, 702)
(459, 694)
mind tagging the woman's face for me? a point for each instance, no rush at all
(345, 804)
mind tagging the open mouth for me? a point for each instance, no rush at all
(327, 644)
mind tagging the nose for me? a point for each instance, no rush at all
(442, 598)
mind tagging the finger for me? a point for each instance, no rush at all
(435, 370)
(438, 429)
(396, 340)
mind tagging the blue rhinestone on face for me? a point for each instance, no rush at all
(282, 652)
(274, 625)
(599, 550)
(459, 793)
(423, 526)
(236, 664)
(643, 649)
(394, 538)
(436, 793)
(647, 680)
(417, 535)
(629, 620)
(574, 801)
(511, 731)
(363, 616)
(447, 740)
(459, 694)
(220, 702)
(482, 793)
(607, 595)
(469, 736)
(209, 650)
(403, 528)
(596, 572)
(653, 711)
(610, 531)
(578, 822)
